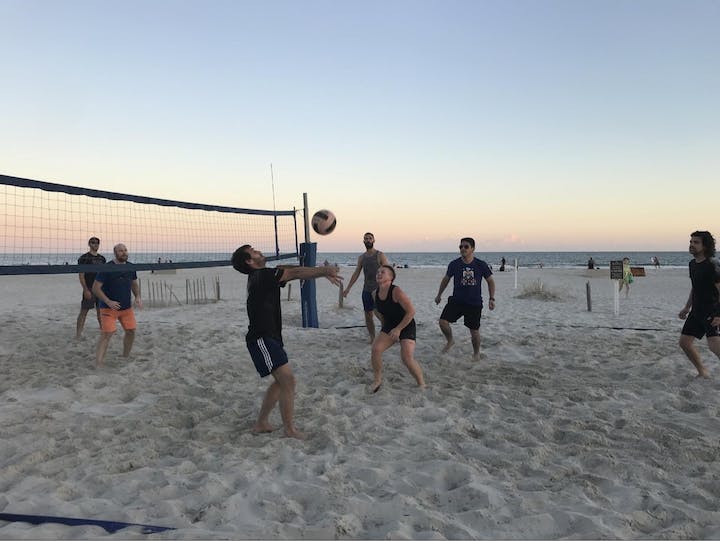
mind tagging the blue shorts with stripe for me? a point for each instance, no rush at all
(368, 301)
(268, 354)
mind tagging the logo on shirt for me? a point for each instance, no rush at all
(468, 277)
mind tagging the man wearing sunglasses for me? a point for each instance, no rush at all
(467, 273)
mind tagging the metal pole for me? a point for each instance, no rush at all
(616, 296)
(307, 218)
(589, 296)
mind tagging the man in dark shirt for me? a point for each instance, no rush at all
(467, 273)
(264, 336)
(703, 304)
(92, 257)
(113, 291)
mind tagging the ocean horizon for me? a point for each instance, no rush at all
(401, 259)
(524, 259)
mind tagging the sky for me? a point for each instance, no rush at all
(528, 125)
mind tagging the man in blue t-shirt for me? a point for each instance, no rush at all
(113, 292)
(467, 273)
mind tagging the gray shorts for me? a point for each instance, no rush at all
(92, 302)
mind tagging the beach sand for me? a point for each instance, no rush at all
(575, 424)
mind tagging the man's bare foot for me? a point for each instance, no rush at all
(703, 374)
(447, 347)
(375, 387)
(261, 428)
(294, 433)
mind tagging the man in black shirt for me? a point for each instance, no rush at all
(264, 336)
(703, 303)
(89, 300)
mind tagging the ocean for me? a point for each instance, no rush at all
(524, 259)
(409, 259)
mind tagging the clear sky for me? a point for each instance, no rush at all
(529, 125)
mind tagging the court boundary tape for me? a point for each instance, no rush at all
(109, 525)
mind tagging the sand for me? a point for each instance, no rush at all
(574, 424)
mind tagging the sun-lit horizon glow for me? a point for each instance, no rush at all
(530, 126)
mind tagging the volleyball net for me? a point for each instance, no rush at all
(45, 227)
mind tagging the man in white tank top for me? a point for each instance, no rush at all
(368, 263)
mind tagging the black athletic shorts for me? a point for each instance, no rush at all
(87, 304)
(698, 326)
(267, 354)
(408, 333)
(453, 310)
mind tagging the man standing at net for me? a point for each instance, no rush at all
(89, 301)
(264, 336)
(368, 263)
(113, 290)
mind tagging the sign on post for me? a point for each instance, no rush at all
(616, 273)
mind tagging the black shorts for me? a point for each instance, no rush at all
(698, 326)
(267, 355)
(408, 333)
(92, 302)
(453, 310)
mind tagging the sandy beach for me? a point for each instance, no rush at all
(574, 424)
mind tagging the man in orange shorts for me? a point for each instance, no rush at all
(112, 288)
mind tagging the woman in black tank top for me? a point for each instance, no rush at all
(396, 312)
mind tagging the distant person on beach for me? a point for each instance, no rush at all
(502, 265)
(89, 301)
(656, 262)
(627, 277)
(398, 325)
(264, 337)
(113, 291)
(368, 263)
(467, 273)
(591, 263)
(702, 309)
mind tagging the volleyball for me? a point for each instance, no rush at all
(323, 222)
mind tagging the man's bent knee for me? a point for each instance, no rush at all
(284, 376)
